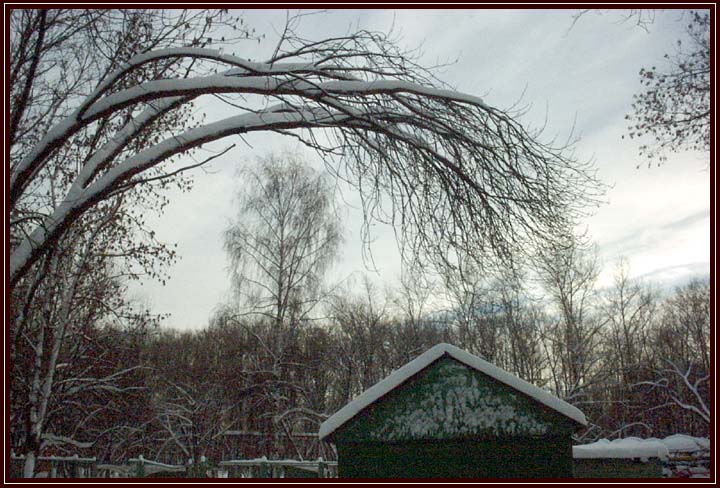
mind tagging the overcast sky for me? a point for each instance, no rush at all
(584, 77)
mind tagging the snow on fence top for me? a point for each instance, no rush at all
(684, 443)
(628, 448)
(634, 447)
(384, 386)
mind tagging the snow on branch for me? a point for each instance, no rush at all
(460, 173)
(58, 440)
(677, 392)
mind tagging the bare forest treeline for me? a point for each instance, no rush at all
(244, 387)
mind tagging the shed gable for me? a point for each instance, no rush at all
(449, 399)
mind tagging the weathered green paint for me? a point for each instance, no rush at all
(452, 421)
(467, 458)
(617, 468)
(451, 400)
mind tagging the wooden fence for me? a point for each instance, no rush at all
(56, 466)
(267, 468)
(77, 467)
(693, 464)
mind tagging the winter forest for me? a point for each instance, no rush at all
(108, 120)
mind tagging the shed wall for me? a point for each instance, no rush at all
(465, 458)
(449, 400)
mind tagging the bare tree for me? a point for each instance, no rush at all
(193, 397)
(681, 367)
(100, 396)
(55, 356)
(523, 322)
(226, 381)
(642, 18)
(630, 309)
(360, 319)
(58, 58)
(413, 300)
(459, 172)
(687, 314)
(496, 318)
(283, 240)
(475, 309)
(674, 108)
(60, 305)
(568, 274)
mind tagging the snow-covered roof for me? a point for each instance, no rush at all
(399, 376)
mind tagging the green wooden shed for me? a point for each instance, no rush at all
(449, 414)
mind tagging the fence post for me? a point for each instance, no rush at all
(264, 471)
(140, 469)
(74, 468)
(321, 468)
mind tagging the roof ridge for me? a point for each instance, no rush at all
(400, 375)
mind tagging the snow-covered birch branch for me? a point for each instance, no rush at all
(462, 173)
